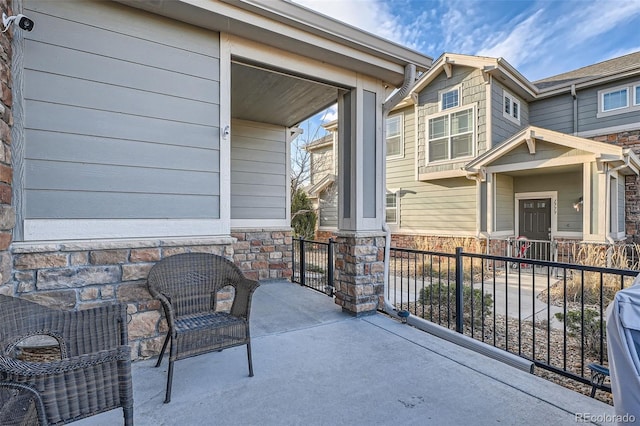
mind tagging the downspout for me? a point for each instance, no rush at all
(575, 109)
(407, 85)
(405, 316)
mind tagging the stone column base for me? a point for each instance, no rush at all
(359, 270)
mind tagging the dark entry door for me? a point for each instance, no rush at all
(535, 224)
(535, 219)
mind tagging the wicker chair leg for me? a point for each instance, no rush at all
(167, 398)
(249, 357)
(128, 416)
(164, 348)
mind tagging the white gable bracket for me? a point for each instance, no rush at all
(448, 68)
(531, 142)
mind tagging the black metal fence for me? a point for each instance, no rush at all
(556, 318)
(313, 264)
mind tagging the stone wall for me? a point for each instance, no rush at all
(7, 212)
(77, 275)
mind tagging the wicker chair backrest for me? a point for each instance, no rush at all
(191, 280)
(77, 332)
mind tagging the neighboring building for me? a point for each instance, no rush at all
(476, 150)
(133, 130)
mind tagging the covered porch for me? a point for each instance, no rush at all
(545, 185)
(315, 364)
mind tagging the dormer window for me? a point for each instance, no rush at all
(449, 98)
(511, 107)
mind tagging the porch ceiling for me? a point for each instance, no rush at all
(275, 97)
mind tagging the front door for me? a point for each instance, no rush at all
(535, 224)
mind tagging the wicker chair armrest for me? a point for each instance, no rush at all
(15, 367)
(242, 301)
(167, 306)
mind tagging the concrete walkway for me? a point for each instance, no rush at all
(315, 365)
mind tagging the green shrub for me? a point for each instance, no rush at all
(592, 322)
(303, 218)
(439, 300)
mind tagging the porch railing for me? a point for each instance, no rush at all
(313, 263)
(551, 313)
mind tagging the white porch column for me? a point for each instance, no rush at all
(360, 254)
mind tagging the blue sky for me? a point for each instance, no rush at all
(539, 38)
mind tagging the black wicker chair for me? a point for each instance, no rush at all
(187, 285)
(93, 374)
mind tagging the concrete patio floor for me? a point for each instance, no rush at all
(315, 365)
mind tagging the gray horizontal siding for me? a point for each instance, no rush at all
(329, 207)
(553, 113)
(64, 205)
(503, 128)
(505, 208)
(122, 114)
(259, 171)
(569, 187)
(588, 109)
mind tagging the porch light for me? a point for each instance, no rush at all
(578, 203)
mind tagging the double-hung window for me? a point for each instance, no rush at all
(450, 135)
(511, 107)
(391, 215)
(395, 143)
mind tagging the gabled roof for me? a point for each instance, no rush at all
(315, 190)
(498, 67)
(610, 68)
(604, 152)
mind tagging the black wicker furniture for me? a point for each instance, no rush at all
(93, 374)
(187, 285)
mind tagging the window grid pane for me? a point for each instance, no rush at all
(451, 136)
(391, 210)
(614, 100)
(450, 99)
(507, 105)
(394, 146)
(515, 110)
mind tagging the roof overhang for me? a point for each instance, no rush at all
(293, 28)
(622, 159)
(586, 82)
(496, 67)
(314, 190)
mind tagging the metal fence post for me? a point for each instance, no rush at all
(330, 267)
(459, 293)
(303, 266)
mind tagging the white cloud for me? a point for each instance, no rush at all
(330, 114)
(373, 16)
(600, 17)
(517, 46)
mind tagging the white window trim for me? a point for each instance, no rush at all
(447, 90)
(473, 107)
(401, 155)
(395, 193)
(633, 103)
(513, 100)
